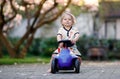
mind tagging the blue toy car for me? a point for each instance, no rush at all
(64, 60)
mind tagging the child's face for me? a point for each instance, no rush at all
(67, 21)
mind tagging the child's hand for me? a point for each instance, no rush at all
(73, 41)
(61, 44)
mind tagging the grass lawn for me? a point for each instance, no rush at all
(33, 59)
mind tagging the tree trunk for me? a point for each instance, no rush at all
(14, 50)
(8, 46)
(1, 55)
(24, 50)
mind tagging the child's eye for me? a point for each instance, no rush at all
(64, 19)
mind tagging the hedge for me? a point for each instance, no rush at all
(46, 46)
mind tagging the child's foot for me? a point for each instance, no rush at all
(49, 71)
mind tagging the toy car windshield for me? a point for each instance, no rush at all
(66, 43)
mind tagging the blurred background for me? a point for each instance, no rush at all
(29, 27)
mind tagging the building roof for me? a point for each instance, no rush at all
(110, 9)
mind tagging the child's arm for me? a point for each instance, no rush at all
(59, 35)
(77, 35)
(59, 38)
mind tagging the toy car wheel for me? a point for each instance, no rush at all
(53, 66)
(77, 66)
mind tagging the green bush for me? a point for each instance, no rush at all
(46, 46)
(43, 47)
(82, 45)
(34, 49)
(117, 46)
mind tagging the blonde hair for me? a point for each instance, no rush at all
(68, 13)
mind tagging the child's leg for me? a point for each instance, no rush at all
(76, 52)
(53, 55)
(80, 58)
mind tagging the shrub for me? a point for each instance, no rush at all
(35, 47)
(47, 46)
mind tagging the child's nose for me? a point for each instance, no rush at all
(67, 20)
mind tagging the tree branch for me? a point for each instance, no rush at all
(31, 28)
(38, 12)
(39, 24)
(43, 16)
(14, 10)
(2, 20)
(53, 17)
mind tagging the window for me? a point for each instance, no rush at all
(110, 29)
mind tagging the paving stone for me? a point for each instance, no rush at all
(89, 70)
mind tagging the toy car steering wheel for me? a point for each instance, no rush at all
(67, 43)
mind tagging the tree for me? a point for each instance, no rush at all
(41, 11)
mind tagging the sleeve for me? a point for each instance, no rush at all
(76, 32)
(59, 32)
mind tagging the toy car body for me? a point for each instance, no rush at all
(65, 60)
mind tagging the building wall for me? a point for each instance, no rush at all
(102, 30)
(106, 30)
(85, 24)
(118, 29)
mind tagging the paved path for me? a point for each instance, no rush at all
(89, 70)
